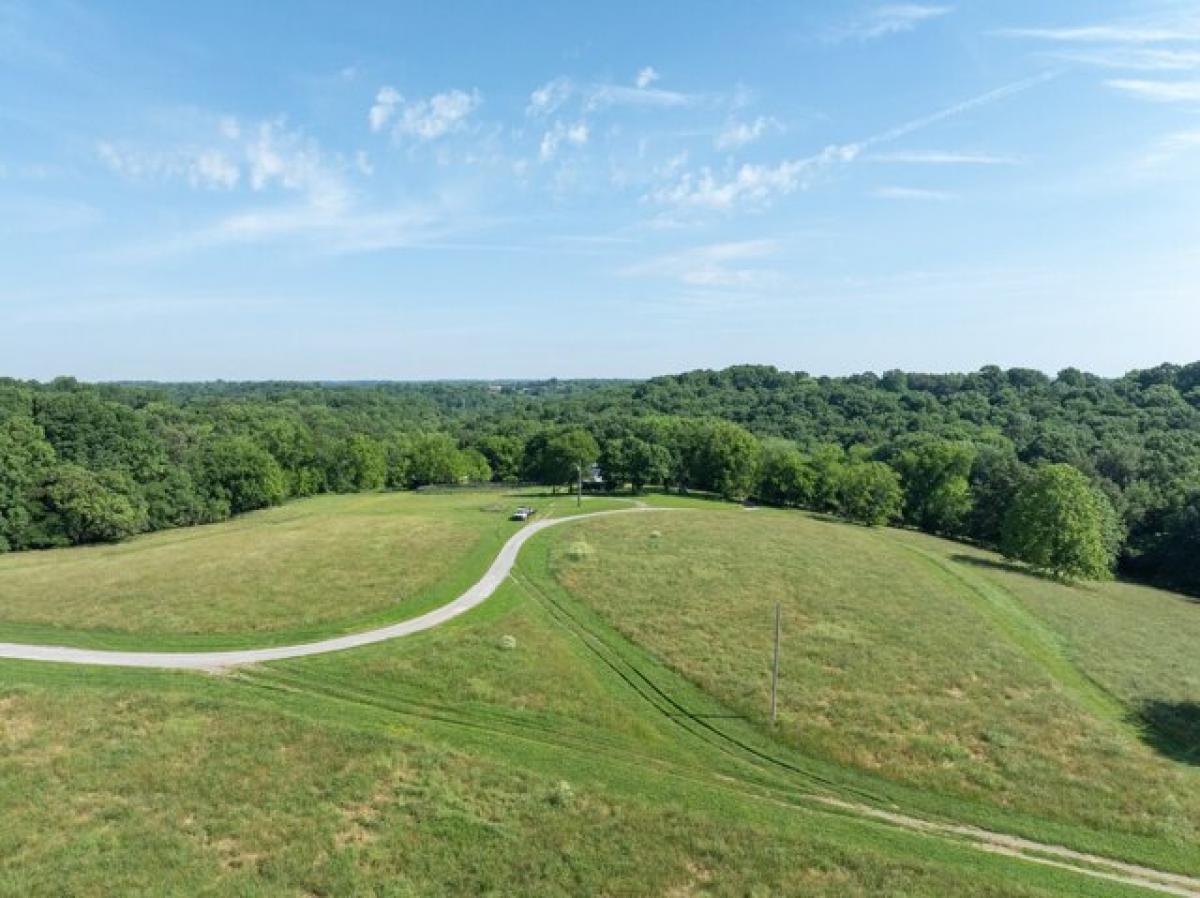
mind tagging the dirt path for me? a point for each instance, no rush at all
(214, 661)
(1028, 850)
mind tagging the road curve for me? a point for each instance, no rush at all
(212, 661)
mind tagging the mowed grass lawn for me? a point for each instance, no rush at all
(442, 765)
(516, 750)
(916, 659)
(318, 565)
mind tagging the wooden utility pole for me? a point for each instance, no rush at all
(775, 666)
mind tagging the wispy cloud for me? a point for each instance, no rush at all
(576, 135)
(1106, 34)
(886, 20)
(713, 265)
(740, 134)
(205, 168)
(942, 157)
(911, 193)
(760, 184)
(602, 95)
(384, 107)
(1168, 150)
(646, 77)
(422, 119)
(956, 109)
(1145, 59)
(1159, 91)
(752, 184)
(548, 98)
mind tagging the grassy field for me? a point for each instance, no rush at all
(310, 568)
(348, 775)
(918, 661)
(530, 748)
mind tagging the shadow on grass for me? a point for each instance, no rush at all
(1171, 728)
(1011, 567)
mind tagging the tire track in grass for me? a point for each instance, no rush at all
(1029, 850)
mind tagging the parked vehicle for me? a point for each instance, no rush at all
(523, 513)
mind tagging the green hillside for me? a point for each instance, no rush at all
(597, 727)
(919, 660)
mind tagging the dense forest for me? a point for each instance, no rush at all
(1076, 474)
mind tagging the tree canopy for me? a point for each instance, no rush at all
(964, 447)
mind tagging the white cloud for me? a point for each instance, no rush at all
(426, 119)
(983, 99)
(1106, 34)
(1146, 59)
(1159, 91)
(213, 169)
(941, 157)
(204, 168)
(752, 184)
(646, 77)
(602, 95)
(278, 156)
(739, 134)
(1169, 149)
(713, 265)
(363, 163)
(911, 193)
(561, 133)
(437, 116)
(384, 108)
(229, 128)
(759, 184)
(549, 97)
(892, 19)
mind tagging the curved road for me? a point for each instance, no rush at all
(211, 661)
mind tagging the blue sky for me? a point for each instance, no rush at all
(311, 190)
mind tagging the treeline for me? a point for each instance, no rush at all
(82, 464)
(1135, 439)
(978, 456)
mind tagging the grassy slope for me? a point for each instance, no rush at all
(432, 766)
(311, 568)
(376, 772)
(908, 663)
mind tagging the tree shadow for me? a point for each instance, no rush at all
(1171, 728)
(1011, 567)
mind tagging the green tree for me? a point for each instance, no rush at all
(553, 458)
(785, 476)
(434, 458)
(828, 464)
(25, 458)
(240, 474)
(357, 464)
(399, 451)
(870, 493)
(86, 507)
(503, 454)
(937, 491)
(721, 457)
(996, 475)
(646, 463)
(1059, 524)
(473, 466)
(635, 461)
